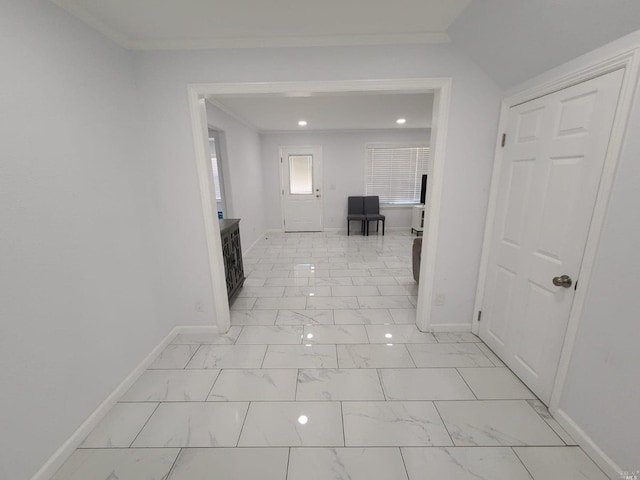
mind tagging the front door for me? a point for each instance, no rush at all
(549, 176)
(301, 184)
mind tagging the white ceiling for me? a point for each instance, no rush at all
(169, 24)
(331, 112)
(515, 40)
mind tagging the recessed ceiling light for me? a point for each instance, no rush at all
(401, 121)
(302, 123)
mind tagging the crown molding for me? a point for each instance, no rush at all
(129, 43)
(90, 19)
(291, 41)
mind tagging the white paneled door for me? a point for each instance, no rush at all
(549, 175)
(301, 185)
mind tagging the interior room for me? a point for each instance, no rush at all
(132, 131)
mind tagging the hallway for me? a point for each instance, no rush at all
(324, 375)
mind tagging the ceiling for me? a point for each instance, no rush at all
(511, 40)
(350, 112)
(515, 40)
(173, 24)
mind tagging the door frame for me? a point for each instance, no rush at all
(282, 185)
(629, 62)
(439, 86)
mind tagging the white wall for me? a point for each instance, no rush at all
(602, 390)
(242, 174)
(163, 78)
(76, 297)
(344, 158)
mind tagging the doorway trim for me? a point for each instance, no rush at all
(440, 87)
(629, 62)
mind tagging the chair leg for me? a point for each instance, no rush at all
(383, 228)
(377, 225)
(348, 222)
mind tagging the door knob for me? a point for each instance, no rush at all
(562, 281)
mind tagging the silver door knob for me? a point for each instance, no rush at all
(563, 281)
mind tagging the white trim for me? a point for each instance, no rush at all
(400, 85)
(606, 464)
(441, 87)
(293, 41)
(320, 131)
(61, 455)
(83, 14)
(429, 252)
(260, 237)
(200, 127)
(386, 229)
(393, 206)
(265, 41)
(450, 327)
(629, 62)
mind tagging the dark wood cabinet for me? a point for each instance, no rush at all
(232, 255)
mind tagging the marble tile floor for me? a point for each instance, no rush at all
(323, 375)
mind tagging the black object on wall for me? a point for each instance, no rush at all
(423, 191)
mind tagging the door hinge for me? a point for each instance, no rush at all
(283, 191)
(504, 139)
(280, 159)
(479, 314)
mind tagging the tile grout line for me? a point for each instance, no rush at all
(406, 471)
(175, 460)
(286, 472)
(145, 424)
(244, 421)
(344, 435)
(453, 443)
(457, 369)
(213, 385)
(521, 462)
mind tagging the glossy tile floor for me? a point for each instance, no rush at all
(323, 375)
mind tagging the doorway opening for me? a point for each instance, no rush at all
(440, 91)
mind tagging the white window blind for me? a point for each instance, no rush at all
(395, 173)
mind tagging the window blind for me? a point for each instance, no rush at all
(395, 173)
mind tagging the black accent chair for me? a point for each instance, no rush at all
(355, 212)
(372, 212)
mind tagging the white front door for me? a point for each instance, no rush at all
(301, 174)
(548, 183)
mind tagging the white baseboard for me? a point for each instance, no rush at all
(260, 237)
(195, 329)
(386, 229)
(61, 455)
(608, 466)
(450, 327)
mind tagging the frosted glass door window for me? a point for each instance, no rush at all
(300, 174)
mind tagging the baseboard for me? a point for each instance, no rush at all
(450, 327)
(386, 229)
(260, 237)
(606, 464)
(195, 329)
(61, 455)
